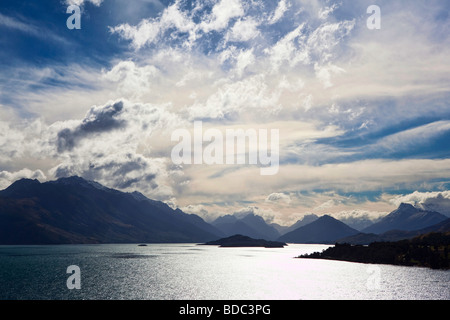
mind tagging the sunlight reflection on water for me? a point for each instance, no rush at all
(189, 271)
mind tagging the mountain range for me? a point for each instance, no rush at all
(325, 229)
(407, 222)
(394, 235)
(75, 210)
(407, 218)
(250, 225)
(300, 223)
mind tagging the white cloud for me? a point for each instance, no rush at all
(324, 39)
(33, 90)
(277, 197)
(145, 32)
(266, 213)
(221, 14)
(148, 31)
(326, 11)
(14, 23)
(285, 50)
(326, 205)
(237, 98)
(244, 60)
(282, 7)
(404, 140)
(121, 170)
(6, 178)
(433, 201)
(310, 81)
(32, 28)
(21, 141)
(198, 209)
(359, 219)
(243, 30)
(324, 73)
(115, 144)
(359, 214)
(133, 81)
(82, 2)
(359, 176)
(405, 59)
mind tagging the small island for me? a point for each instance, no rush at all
(244, 241)
(429, 250)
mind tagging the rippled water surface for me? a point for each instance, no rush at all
(196, 272)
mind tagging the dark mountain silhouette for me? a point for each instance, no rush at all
(405, 218)
(395, 235)
(324, 230)
(307, 219)
(236, 227)
(281, 229)
(251, 225)
(259, 224)
(427, 250)
(239, 240)
(441, 227)
(224, 219)
(74, 210)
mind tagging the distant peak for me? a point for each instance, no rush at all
(327, 217)
(72, 179)
(253, 216)
(404, 211)
(79, 181)
(406, 206)
(138, 196)
(19, 185)
(225, 219)
(25, 182)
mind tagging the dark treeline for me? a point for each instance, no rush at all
(244, 241)
(430, 250)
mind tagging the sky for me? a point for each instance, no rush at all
(363, 114)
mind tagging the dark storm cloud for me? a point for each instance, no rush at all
(127, 183)
(120, 171)
(98, 120)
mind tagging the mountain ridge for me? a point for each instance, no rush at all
(405, 218)
(250, 225)
(395, 235)
(324, 230)
(75, 210)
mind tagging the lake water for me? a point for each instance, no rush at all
(195, 272)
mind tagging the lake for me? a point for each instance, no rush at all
(197, 272)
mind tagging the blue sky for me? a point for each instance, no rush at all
(363, 114)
